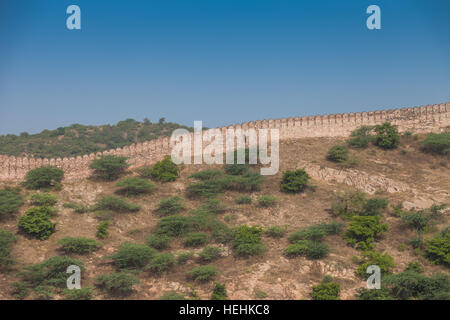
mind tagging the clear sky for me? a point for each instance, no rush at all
(220, 61)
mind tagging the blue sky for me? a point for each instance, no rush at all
(220, 61)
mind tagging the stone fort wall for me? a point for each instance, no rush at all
(431, 118)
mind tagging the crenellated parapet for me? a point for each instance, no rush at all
(430, 118)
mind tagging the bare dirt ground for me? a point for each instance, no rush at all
(270, 275)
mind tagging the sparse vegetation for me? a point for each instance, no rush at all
(78, 245)
(267, 201)
(210, 253)
(43, 199)
(102, 230)
(219, 292)
(158, 241)
(117, 284)
(134, 186)
(361, 137)
(79, 294)
(169, 206)
(7, 240)
(313, 250)
(438, 143)
(10, 202)
(160, 263)
(115, 204)
(195, 239)
(132, 256)
(243, 200)
(275, 231)
(203, 273)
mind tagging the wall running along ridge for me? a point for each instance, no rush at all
(431, 118)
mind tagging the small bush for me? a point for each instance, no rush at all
(195, 239)
(416, 242)
(415, 267)
(338, 154)
(132, 256)
(243, 200)
(78, 208)
(161, 262)
(221, 233)
(117, 284)
(236, 169)
(203, 273)
(36, 223)
(313, 250)
(210, 253)
(184, 257)
(47, 276)
(102, 230)
(275, 231)
(370, 294)
(219, 292)
(356, 203)
(43, 199)
(248, 182)
(79, 294)
(78, 245)
(158, 241)
(267, 201)
(43, 178)
(438, 249)
(170, 206)
(207, 175)
(361, 137)
(316, 232)
(327, 290)
(438, 143)
(294, 181)
(384, 261)
(173, 226)
(165, 170)
(214, 206)
(247, 241)
(364, 230)
(144, 172)
(10, 202)
(416, 220)
(387, 136)
(7, 239)
(205, 189)
(109, 167)
(134, 186)
(172, 296)
(115, 204)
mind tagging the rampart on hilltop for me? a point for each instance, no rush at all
(431, 118)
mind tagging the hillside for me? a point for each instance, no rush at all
(78, 140)
(404, 175)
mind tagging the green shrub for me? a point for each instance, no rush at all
(78, 245)
(387, 136)
(43, 199)
(214, 206)
(416, 220)
(134, 186)
(327, 290)
(370, 294)
(7, 239)
(132, 256)
(294, 181)
(207, 175)
(416, 242)
(183, 257)
(158, 241)
(195, 239)
(161, 262)
(46, 210)
(43, 178)
(109, 167)
(364, 230)
(165, 170)
(170, 206)
(115, 204)
(437, 143)
(247, 241)
(361, 137)
(243, 200)
(267, 201)
(36, 223)
(205, 189)
(384, 261)
(10, 202)
(102, 230)
(373, 207)
(235, 169)
(203, 273)
(172, 296)
(311, 249)
(48, 274)
(275, 231)
(210, 253)
(117, 284)
(221, 233)
(78, 208)
(173, 226)
(415, 267)
(144, 172)
(316, 232)
(438, 249)
(338, 154)
(356, 203)
(247, 182)
(79, 294)
(219, 292)
(412, 285)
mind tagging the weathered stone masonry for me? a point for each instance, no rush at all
(431, 118)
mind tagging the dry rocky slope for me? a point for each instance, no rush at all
(412, 177)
